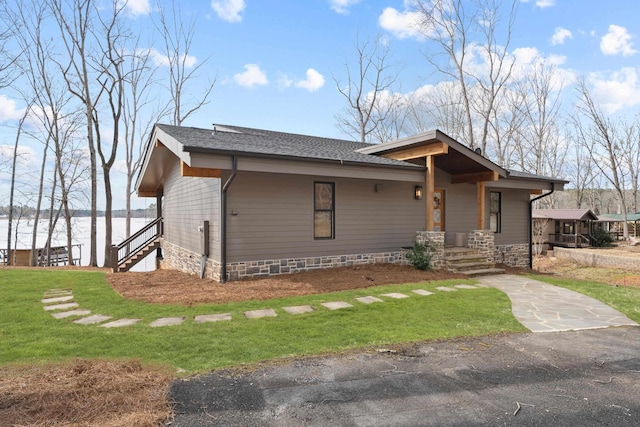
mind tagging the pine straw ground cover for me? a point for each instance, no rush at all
(84, 393)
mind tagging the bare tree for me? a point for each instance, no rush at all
(602, 137)
(371, 76)
(140, 80)
(112, 82)
(631, 150)
(177, 35)
(452, 26)
(74, 19)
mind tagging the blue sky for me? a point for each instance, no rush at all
(275, 61)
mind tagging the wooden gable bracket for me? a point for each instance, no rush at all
(474, 177)
(432, 149)
(186, 170)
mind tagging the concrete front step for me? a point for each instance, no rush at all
(464, 259)
(482, 272)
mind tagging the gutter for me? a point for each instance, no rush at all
(223, 223)
(553, 187)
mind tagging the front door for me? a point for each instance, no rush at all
(438, 210)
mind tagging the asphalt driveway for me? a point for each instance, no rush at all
(583, 378)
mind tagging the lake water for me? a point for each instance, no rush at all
(81, 235)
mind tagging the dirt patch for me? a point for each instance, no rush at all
(173, 287)
(563, 268)
(84, 393)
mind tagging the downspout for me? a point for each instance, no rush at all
(223, 223)
(553, 187)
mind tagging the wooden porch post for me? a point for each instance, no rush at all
(481, 202)
(429, 185)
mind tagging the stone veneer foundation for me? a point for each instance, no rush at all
(178, 258)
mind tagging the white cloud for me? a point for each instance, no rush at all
(285, 81)
(25, 155)
(252, 76)
(403, 25)
(617, 42)
(137, 7)
(8, 109)
(560, 35)
(162, 60)
(542, 3)
(229, 10)
(313, 82)
(620, 90)
(342, 6)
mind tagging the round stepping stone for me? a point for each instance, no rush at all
(256, 314)
(298, 309)
(463, 286)
(204, 318)
(336, 305)
(422, 292)
(395, 295)
(61, 306)
(56, 299)
(167, 321)
(65, 314)
(120, 323)
(445, 289)
(90, 320)
(368, 300)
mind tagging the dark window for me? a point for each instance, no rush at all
(495, 211)
(323, 210)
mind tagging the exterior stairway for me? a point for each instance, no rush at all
(139, 256)
(135, 248)
(468, 261)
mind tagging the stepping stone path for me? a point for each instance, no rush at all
(90, 320)
(256, 314)
(120, 323)
(395, 295)
(204, 318)
(61, 306)
(368, 300)
(60, 301)
(167, 321)
(298, 309)
(336, 305)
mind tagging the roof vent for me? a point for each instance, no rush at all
(214, 130)
(478, 151)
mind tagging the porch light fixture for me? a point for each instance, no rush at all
(418, 192)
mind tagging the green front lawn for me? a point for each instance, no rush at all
(28, 334)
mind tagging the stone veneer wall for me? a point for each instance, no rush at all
(484, 241)
(596, 258)
(512, 255)
(177, 258)
(436, 240)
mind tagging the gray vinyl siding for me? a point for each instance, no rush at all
(271, 217)
(189, 201)
(515, 219)
(461, 210)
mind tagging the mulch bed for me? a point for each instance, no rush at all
(173, 287)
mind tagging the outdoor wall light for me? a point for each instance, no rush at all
(418, 192)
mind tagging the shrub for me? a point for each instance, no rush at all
(602, 238)
(420, 255)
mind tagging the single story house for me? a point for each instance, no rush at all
(613, 223)
(564, 227)
(238, 202)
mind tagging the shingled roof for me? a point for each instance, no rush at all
(256, 142)
(565, 214)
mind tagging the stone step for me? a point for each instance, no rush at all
(455, 251)
(482, 272)
(465, 258)
(470, 266)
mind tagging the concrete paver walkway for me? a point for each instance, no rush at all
(546, 308)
